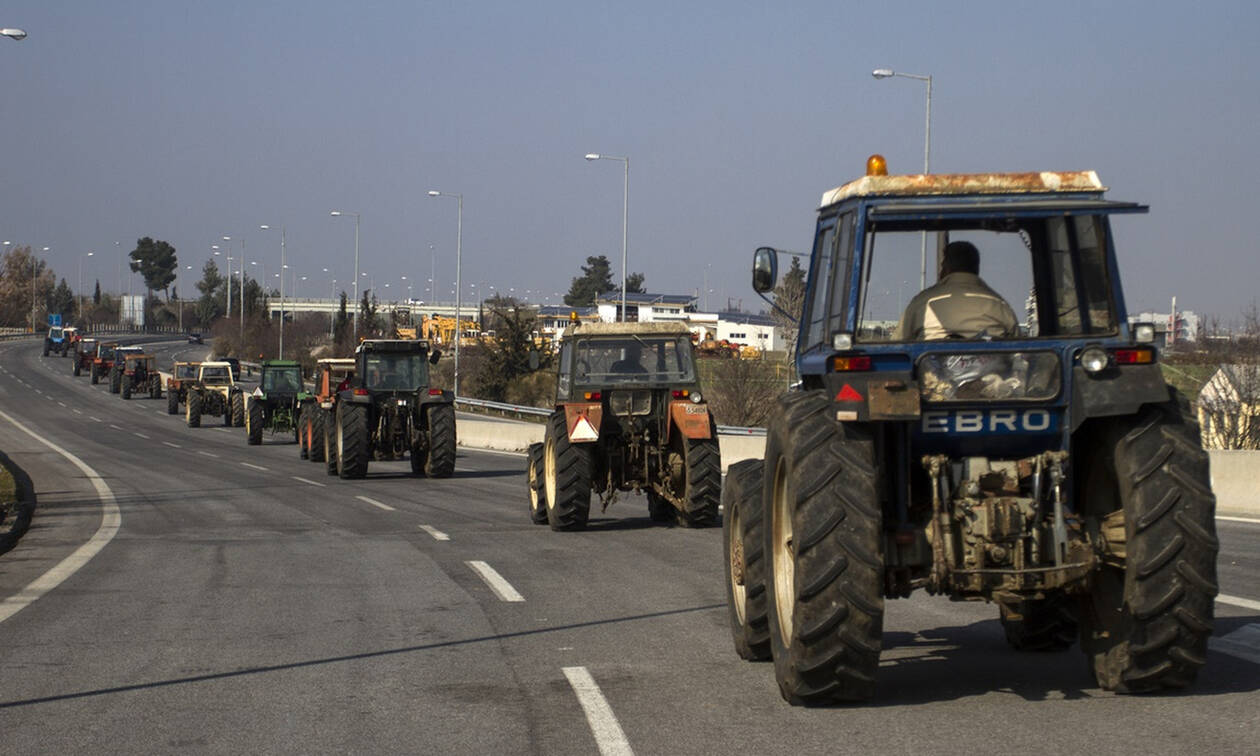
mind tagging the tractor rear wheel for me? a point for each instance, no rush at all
(172, 402)
(823, 551)
(193, 415)
(155, 387)
(78, 368)
(126, 389)
(330, 442)
(115, 381)
(441, 461)
(1146, 622)
(567, 477)
(1047, 624)
(254, 423)
(95, 376)
(703, 491)
(315, 434)
(304, 432)
(352, 441)
(745, 564)
(236, 403)
(537, 489)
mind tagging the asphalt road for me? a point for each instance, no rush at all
(249, 603)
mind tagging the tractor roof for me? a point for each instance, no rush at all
(216, 365)
(393, 345)
(333, 362)
(942, 184)
(626, 329)
(282, 364)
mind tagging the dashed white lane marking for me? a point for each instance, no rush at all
(208, 454)
(141, 435)
(256, 467)
(94, 419)
(599, 715)
(437, 534)
(308, 482)
(173, 446)
(62, 403)
(502, 588)
(115, 427)
(111, 520)
(77, 411)
(1242, 602)
(1243, 643)
(37, 391)
(160, 412)
(221, 430)
(376, 503)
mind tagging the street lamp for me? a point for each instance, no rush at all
(228, 252)
(265, 227)
(625, 210)
(884, 73)
(16, 35)
(459, 258)
(338, 213)
(89, 254)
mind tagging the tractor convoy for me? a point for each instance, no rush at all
(1038, 463)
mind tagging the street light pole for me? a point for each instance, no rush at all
(243, 292)
(459, 262)
(265, 227)
(625, 212)
(89, 254)
(884, 73)
(356, 267)
(228, 239)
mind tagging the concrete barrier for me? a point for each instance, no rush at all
(1235, 474)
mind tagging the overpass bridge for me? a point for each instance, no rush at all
(331, 306)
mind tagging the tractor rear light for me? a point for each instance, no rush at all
(435, 392)
(593, 396)
(360, 392)
(681, 393)
(1134, 356)
(850, 364)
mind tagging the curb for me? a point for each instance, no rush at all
(17, 519)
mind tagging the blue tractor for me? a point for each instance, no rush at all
(1037, 461)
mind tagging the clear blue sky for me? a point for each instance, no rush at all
(188, 121)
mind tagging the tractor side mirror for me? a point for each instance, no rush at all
(534, 359)
(434, 356)
(765, 272)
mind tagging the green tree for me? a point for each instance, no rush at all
(156, 262)
(596, 279)
(96, 294)
(634, 284)
(62, 301)
(213, 287)
(789, 296)
(507, 357)
(25, 281)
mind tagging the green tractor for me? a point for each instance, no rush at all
(273, 406)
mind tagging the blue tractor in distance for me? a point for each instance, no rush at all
(1045, 467)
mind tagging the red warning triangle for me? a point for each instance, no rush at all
(848, 394)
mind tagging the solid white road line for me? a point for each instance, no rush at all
(376, 503)
(309, 482)
(111, 520)
(1252, 520)
(437, 534)
(256, 467)
(599, 715)
(208, 454)
(1243, 643)
(1236, 601)
(502, 588)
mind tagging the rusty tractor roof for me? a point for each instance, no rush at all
(941, 184)
(626, 329)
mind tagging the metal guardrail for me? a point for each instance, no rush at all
(519, 410)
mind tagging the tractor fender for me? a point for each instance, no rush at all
(582, 421)
(691, 419)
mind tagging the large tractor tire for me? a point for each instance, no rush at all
(172, 402)
(115, 381)
(1146, 622)
(155, 387)
(703, 492)
(537, 487)
(94, 375)
(315, 434)
(567, 477)
(78, 368)
(352, 441)
(745, 564)
(330, 442)
(441, 461)
(254, 423)
(1040, 624)
(304, 432)
(126, 389)
(823, 552)
(193, 409)
(236, 404)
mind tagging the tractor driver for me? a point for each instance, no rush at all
(960, 305)
(632, 362)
